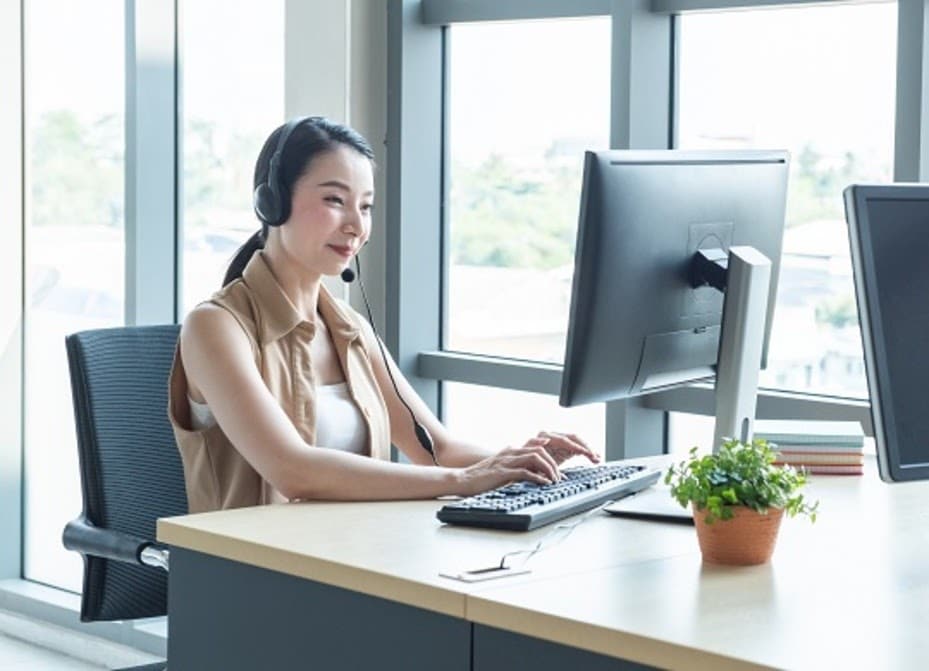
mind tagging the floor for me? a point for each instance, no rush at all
(30, 645)
(18, 655)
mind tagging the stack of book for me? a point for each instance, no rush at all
(833, 448)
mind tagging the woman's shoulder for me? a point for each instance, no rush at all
(206, 319)
(225, 312)
(239, 302)
(235, 297)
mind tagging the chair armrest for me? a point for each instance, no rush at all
(82, 536)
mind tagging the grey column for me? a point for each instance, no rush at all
(414, 191)
(641, 118)
(642, 77)
(911, 139)
(151, 159)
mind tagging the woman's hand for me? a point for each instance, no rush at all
(563, 446)
(530, 462)
(536, 461)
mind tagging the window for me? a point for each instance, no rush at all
(233, 97)
(818, 81)
(74, 74)
(473, 414)
(520, 115)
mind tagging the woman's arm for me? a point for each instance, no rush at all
(220, 367)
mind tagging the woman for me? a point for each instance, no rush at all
(272, 368)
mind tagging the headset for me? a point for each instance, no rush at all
(271, 198)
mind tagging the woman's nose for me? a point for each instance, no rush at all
(354, 222)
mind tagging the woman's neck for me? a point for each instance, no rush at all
(301, 288)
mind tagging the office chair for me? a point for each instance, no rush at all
(131, 471)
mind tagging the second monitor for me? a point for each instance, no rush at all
(663, 238)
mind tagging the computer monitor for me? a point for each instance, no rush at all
(657, 230)
(889, 235)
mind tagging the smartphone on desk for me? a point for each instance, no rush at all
(652, 503)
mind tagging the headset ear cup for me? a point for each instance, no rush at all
(282, 198)
(267, 205)
(271, 198)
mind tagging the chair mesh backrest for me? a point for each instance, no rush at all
(131, 471)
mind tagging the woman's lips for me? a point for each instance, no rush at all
(345, 251)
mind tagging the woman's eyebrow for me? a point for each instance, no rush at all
(343, 186)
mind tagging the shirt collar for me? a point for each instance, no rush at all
(280, 317)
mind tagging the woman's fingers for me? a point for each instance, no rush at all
(538, 447)
(531, 476)
(563, 446)
(538, 458)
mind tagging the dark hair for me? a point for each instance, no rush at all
(312, 137)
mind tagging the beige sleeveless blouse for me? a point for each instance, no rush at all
(217, 476)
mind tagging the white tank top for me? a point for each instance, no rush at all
(339, 424)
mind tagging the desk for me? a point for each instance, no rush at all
(357, 586)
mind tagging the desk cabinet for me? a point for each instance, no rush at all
(227, 615)
(498, 650)
(231, 616)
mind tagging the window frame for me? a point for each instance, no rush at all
(643, 115)
(12, 197)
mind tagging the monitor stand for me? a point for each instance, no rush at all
(652, 503)
(746, 282)
(748, 279)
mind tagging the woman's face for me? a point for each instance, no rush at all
(330, 216)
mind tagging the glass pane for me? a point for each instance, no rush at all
(521, 114)
(473, 413)
(686, 431)
(233, 97)
(75, 73)
(818, 81)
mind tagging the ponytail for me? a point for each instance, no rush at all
(243, 255)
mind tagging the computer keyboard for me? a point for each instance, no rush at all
(522, 506)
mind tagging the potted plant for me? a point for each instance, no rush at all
(738, 497)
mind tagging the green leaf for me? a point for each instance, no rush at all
(738, 475)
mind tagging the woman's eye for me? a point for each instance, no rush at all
(335, 199)
(367, 207)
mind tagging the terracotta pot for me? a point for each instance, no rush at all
(746, 539)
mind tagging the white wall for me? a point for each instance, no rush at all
(336, 66)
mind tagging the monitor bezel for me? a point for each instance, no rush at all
(873, 339)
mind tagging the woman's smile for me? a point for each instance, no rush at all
(345, 251)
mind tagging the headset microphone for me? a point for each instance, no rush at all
(422, 435)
